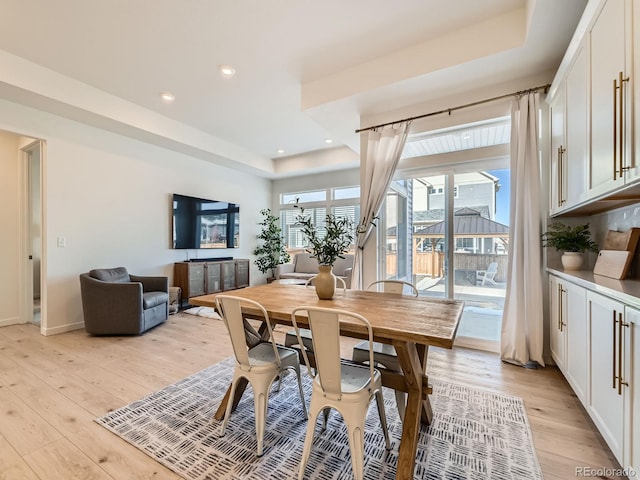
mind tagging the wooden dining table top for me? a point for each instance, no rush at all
(393, 317)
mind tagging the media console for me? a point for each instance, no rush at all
(203, 276)
(216, 259)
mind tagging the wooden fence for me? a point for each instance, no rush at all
(432, 263)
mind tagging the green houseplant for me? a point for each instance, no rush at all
(572, 241)
(326, 243)
(272, 251)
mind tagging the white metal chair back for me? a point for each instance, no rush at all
(230, 309)
(324, 324)
(394, 286)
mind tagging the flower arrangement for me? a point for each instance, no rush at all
(569, 239)
(330, 241)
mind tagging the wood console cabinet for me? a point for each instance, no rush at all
(202, 278)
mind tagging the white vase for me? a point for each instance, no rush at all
(572, 260)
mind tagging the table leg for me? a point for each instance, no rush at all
(413, 370)
(427, 412)
(240, 388)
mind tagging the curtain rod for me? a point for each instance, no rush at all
(453, 109)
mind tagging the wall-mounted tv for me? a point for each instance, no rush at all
(202, 223)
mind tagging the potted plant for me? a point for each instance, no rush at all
(272, 251)
(572, 241)
(327, 243)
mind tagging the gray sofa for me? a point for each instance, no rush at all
(303, 267)
(116, 303)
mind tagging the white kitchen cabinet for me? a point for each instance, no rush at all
(576, 328)
(576, 127)
(609, 45)
(558, 150)
(634, 168)
(606, 400)
(631, 376)
(569, 333)
(569, 143)
(557, 336)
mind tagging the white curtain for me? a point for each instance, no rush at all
(522, 322)
(378, 161)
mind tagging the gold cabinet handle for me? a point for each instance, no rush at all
(614, 376)
(561, 176)
(615, 130)
(621, 382)
(560, 291)
(618, 125)
(621, 112)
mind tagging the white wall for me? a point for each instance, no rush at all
(10, 221)
(109, 197)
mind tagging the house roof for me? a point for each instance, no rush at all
(467, 222)
(437, 214)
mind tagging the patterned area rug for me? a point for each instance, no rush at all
(475, 434)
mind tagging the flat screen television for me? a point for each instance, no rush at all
(203, 223)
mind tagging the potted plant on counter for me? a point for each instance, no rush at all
(327, 243)
(272, 251)
(572, 241)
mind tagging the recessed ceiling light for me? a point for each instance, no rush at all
(328, 140)
(167, 97)
(227, 71)
(280, 151)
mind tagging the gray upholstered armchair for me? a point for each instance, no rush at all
(116, 303)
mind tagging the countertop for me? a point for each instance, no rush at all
(625, 291)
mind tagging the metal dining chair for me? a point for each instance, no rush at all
(384, 354)
(260, 364)
(345, 387)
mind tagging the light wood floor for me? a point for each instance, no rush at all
(51, 389)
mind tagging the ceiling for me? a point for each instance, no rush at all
(306, 70)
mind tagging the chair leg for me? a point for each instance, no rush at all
(260, 406)
(227, 413)
(308, 440)
(383, 418)
(299, 376)
(325, 417)
(356, 445)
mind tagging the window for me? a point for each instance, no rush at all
(303, 197)
(340, 201)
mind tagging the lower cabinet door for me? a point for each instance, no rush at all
(631, 376)
(606, 402)
(557, 337)
(576, 330)
(213, 278)
(196, 280)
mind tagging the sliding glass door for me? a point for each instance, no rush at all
(448, 234)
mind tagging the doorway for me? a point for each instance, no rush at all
(448, 234)
(33, 221)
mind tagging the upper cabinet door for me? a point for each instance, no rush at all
(576, 153)
(634, 166)
(558, 149)
(609, 95)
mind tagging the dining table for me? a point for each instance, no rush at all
(410, 324)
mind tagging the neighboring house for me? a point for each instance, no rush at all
(474, 195)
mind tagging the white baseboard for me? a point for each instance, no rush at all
(5, 322)
(62, 329)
